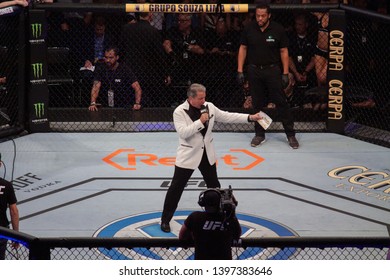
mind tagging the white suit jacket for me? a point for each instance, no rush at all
(191, 141)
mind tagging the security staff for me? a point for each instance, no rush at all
(264, 44)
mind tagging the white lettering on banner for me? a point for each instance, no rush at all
(274, 270)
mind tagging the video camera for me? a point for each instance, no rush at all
(223, 199)
(228, 201)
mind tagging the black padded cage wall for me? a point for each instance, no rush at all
(12, 76)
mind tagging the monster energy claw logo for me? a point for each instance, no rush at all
(37, 70)
(36, 29)
(39, 109)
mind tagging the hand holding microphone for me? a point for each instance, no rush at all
(204, 115)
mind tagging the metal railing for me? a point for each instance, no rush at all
(267, 248)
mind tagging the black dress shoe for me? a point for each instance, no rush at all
(165, 227)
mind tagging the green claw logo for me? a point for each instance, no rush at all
(39, 109)
(36, 29)
(37, 70)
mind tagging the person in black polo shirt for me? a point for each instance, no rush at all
(113, 84)
(264, 46)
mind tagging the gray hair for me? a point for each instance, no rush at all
(194, 89)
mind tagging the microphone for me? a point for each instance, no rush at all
(204, 110)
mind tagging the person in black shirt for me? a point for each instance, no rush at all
(264, 44)
(116, 80)
(7, 200)
(212, 230)
(222, 49)
(141, 45)
(185, 49)
(301, 52)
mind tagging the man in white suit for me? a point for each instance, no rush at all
(194, 120)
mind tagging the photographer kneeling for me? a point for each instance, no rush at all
(214, 229)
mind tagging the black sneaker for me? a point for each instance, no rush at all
(293, 142)
(257, 140)
(165, 227)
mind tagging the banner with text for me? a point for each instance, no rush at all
(38, 97)
(187, 8)
(336, 71)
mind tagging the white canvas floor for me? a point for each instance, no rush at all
(94, 184)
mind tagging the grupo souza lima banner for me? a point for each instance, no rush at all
(187, 8)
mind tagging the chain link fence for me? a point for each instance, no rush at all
(165, 63)
(72, 34)
(367, 76)
(164, 77)
(282, 248)
(11, 105)
(74, 44)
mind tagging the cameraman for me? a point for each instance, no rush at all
(212, 230)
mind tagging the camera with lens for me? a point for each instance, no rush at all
(221, 199)
(228, 201)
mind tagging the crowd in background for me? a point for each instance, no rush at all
(203, 49)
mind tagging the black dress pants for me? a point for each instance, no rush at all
(179, 182)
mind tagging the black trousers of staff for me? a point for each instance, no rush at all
(267, 80)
